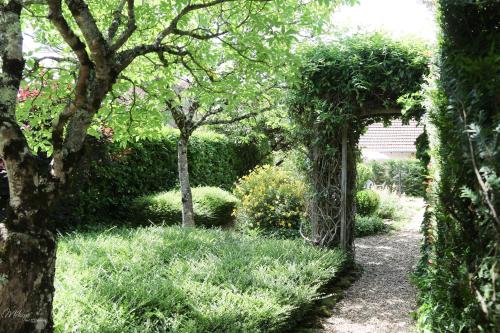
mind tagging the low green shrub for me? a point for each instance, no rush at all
(367, 202)
(387, 210)
(389, 207)
(172, 279)
(212, 207)
(403, 176)
(271, 199)
(368, 225)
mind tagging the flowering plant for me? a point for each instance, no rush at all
(270, 198)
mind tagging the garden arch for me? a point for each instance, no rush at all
(343, 88)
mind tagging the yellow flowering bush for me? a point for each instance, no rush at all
(270, 198)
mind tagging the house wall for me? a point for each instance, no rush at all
(380, 156)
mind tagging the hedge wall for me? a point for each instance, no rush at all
(459, 275)
(117, 175)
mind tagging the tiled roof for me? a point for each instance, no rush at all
(395, 138)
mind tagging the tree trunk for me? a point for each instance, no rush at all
(27, 267)
(187, 197)
(27, 247)
(27, 281)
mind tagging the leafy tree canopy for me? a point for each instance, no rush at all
(233, 52)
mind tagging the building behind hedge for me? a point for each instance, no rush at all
(396, 141)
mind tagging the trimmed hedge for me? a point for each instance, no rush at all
(212, 207)
(459, 272)
(117, 175)
(367, 202)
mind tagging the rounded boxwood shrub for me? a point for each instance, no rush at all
(271, 199)
(367, 202)
(212, 207)
(368, 225)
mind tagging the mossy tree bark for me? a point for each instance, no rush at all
(27, 246)
(186, 194)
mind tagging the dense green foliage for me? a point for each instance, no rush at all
(460, 268)
(212, 207)
(271, 199)
(169, 279)
(367, 202)
(236, 66)
(118, 175)
(343, 87)
(402, 176)
(364, 173)
(368, 225)
(423, 149)
(358, 73)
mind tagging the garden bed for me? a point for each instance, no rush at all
(160, 279)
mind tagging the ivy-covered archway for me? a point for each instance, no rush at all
(343, 88)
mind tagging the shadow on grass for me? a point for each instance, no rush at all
(323, 307)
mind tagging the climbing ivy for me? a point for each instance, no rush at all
(348, 85)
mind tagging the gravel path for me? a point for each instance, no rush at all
(382, 300)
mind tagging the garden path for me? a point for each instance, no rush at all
(382, 299)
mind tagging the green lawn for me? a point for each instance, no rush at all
(167, 279)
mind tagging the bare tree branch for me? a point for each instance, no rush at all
(91, 33)
(73, 41)
(57, 59)
(117, 20)
(131, 27)
(124, 58)
(172, 27)
(231, 120)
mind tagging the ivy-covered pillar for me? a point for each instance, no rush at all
(331, 207)
(343, 88)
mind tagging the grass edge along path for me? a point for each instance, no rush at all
(170, 279)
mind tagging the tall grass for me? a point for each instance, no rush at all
(169, 279)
